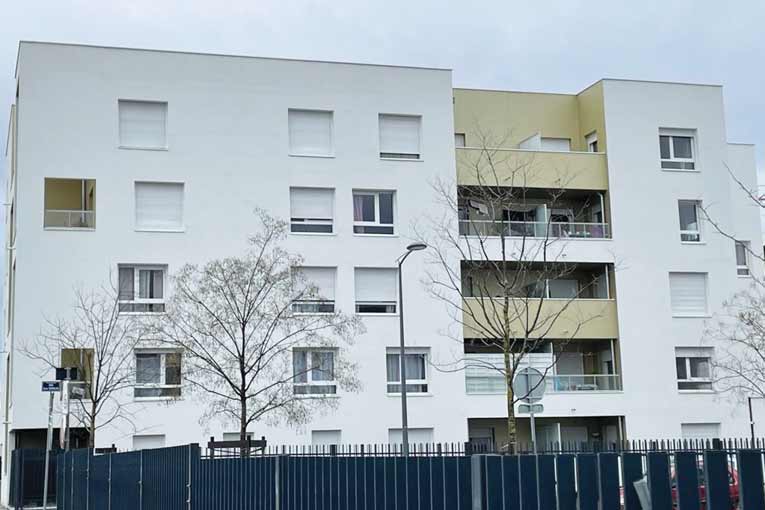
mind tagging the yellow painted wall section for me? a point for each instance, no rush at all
(507, 118)
(532, 169)
(562, 318)
(592, 114)
(67, 194)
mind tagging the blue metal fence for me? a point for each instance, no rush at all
(180, 478)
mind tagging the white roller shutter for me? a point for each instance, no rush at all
(159, 205)
(310, 132)
(700, 430)
(688, 293)
(376, 285)
(315, 203)
(400, 134)
(323, 278)
(556, 144)
(142, 124)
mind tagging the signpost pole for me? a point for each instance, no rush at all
(48, 445)
(531, 416)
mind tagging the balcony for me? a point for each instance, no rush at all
(581, 366)
(561, 318)
(551, 299)
(532, 168)
(539, 229)
(70, 204)
(537, 213)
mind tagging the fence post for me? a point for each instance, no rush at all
(140, 479)
(476, 475)
(277, 481)
(109, 485)
(87, 480)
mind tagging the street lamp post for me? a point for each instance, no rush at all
(402, 352)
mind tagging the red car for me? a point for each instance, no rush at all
(733, 489)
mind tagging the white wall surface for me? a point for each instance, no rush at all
(228, 142)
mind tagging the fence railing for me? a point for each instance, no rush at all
(496, 228)
(180, 479)
(434, 476)
(66, 218)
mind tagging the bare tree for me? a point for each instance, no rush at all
(497, 271)
(237, 325)
(99, 341)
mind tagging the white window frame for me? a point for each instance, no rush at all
(149, 228)
(399, 156)
(136, 287)
(331, 153)
(309, 374)
(743, 271)
(120, 145)
(678, 133)
(699, 232)
(393, 303)
(591, 138)
(376, 222)
(298, 303)
(689, 378)
(418, 351)
(313, 221)
(459, 140)
(162, 384)
(705, 313)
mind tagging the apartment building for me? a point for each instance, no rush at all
(126, 164)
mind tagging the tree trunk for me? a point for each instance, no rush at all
(511, 425)
(92, 427)
(243, 451)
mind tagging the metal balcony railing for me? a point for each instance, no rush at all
(495, 384)
(496, 228)
(68, 218)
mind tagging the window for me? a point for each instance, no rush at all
(700, 431)
(459, 139)
(148, 441)
(313, 372)
(693, 368)
(310, 132)
(373, 212)
(320, 295)
(69, 203)
(234, 436)
(312, 210)
(415, 366)
(676, 150)
(400, 136)
(416, 435)
(556, 144)
(325, 437)
(82, 360)
(690, 227)
(742, 258)
(150, 282)
(143, 124)
(376, 290)
(159, 206)
(157, 374)
(591, 141)
(688, 294)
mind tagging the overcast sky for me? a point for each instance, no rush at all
(541, 46)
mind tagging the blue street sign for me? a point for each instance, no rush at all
(51, 386)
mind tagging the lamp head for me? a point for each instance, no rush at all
(416, 247)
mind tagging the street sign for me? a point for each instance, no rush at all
(49, 386)
(529, 385)
(530, 408)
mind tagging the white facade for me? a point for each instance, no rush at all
(227, 146)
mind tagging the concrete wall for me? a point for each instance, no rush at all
(228, 142)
